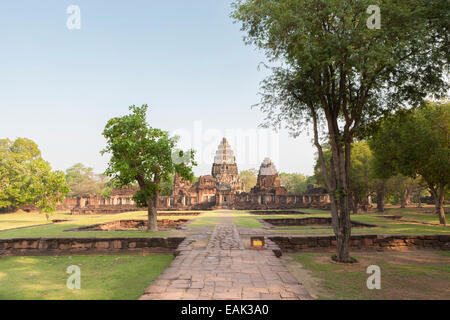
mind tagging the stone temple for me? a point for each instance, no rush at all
(220, 190)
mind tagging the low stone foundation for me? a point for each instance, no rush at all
(104, 209)
(127, 225)
(277, 212)
(66, 246)
(117, 209)
(177, 213)
(376, 242)
(313, 221)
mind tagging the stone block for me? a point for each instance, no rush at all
(102, 245)
(324, 242)
(132, 244)
(117, 244)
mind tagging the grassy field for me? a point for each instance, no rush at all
(405, 275)
(414, 221)
(415, 225)
(49, 230)
(420, 274)
(108, 277)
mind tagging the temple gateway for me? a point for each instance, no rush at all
(220, 190)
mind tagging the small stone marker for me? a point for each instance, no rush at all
(257, 243)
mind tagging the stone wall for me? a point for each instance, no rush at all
(105, 209)
(313, 221)
(124, 225)
(377, 242)
(65, 246)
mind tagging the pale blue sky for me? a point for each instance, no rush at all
(186, 59)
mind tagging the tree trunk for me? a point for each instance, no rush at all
(438, 195)
(403, 199)
(380, 201)
(341, 163)
(355, 205)
(152, 216)
(338, 184)
(440, 207)
(344, 230)
(409, 193)
(440, 210)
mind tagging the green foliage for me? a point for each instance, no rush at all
(142, 154)
(16, 161)
(27, 179)
(167, 185)
(415, 143)
(366, 179)
(338, 75)
(248, 178)
(83, 181)
(47, 187)
(331, 58)
(361, 169)
(295, 183)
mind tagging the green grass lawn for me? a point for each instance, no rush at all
(420, 274)
(209, 219)
(384, 225)
(424, 214)
(110, 277)
(50, 230)
(25, 219)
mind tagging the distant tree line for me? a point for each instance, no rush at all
(84, 182)
(295, 183)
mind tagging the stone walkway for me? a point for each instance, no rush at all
(225, 237)
(224, 270)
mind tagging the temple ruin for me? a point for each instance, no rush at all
(220, 190)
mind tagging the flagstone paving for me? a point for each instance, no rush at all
(224, 270)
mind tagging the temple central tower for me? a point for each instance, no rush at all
(225, 169)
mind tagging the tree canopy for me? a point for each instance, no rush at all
(83, 181)
(417, 143)
(248, 178)
(144, 155)
(26, 178)
(338, 76)
(295, 183)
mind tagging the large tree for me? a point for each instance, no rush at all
(144, 155)
(48, 188)
(334, 73)
(16, 159)
(26, 178)
(417, 143)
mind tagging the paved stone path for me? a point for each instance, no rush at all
(225, 237)
(225, 271)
